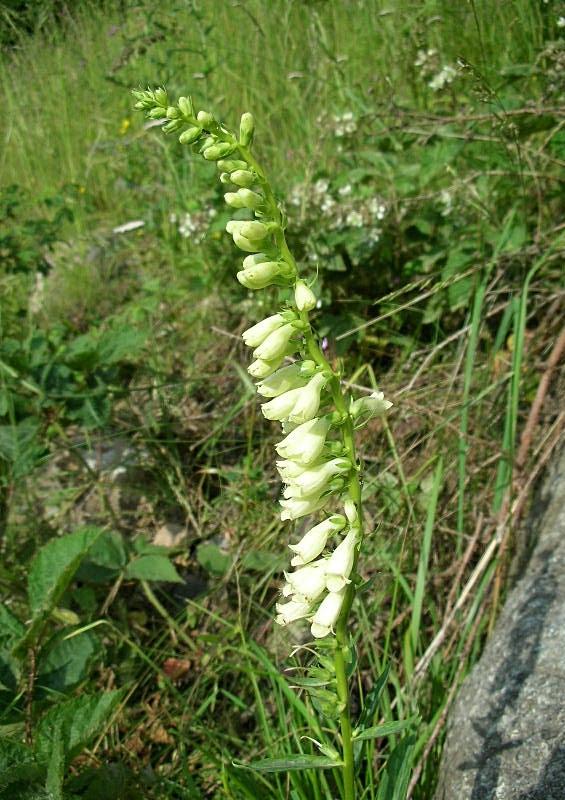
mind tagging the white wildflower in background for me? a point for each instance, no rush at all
(443, 78)
(344, 125)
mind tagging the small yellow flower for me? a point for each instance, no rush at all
(126, 122)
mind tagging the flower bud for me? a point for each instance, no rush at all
(242, 177)
(257, 334)
(261, 368)
(233, 199)
(231, 165)
(304, 297)
(340, 563)
(291, 611)
(219, 150)
(327, 614)
(366, 408)
(190, 135)
(206, 119)
(247, 246)
(308, 368)
(260, 276)
(308, 582)
(282, 381)
(186, 107)
(314, 541)
(246, 128)
(305, 443)
(204, 144)
(161, 98)
(254, 230)
(250, 199)
(173, 125)
(156, 113)
(275, 344)
(351, 513)
(225, 178)
(173, 112)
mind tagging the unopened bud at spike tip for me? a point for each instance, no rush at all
(161, 97)
(205, 119)
(217, 151)
(242, 177)
(246, 129)
(190, 135)
(186, 107)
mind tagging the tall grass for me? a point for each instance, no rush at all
(293, 63)
(439, 471)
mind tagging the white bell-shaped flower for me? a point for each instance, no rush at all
(308, 402)
(316, 479)
(304, 297)
(327, 614)
(261, 368)
(276, 343)
(314, 540)
(291, 611)
(280, 408)
(261, 275)
(294, 508)
(366, 408)
(257, 334)
(340, 563)
(305, 443)
(282, 380)
(289, 470)
(308, 582)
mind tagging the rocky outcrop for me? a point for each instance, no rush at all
(506, 733)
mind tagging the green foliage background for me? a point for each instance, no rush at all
(419, 151)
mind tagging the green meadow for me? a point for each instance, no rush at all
(418, 151)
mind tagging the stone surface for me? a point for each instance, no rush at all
(506, 732)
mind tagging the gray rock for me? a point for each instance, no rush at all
(506, 733)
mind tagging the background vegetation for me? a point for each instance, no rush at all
(419, 149)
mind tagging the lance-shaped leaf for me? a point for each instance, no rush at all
(386, 729)
(291, 763)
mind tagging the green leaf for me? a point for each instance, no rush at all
(261, 560)
(10, 626)
(64, 663)
(120, 344)
(18, 763)
(372, 699)
(54, 567)
(51, 571)
(386, 729)
(152, 568)
(20, 446)
(75, 722)
(106, 559)
(212, 558)
(291, 763)
(395, 777)
(56, 768)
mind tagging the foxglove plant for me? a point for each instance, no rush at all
(319, 464)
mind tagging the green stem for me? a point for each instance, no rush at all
(348, 439)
